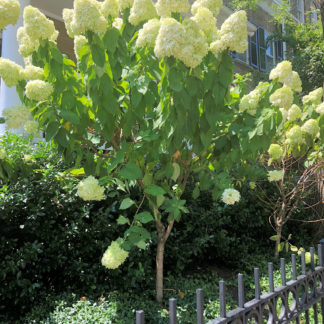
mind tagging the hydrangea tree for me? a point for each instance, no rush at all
(150, 102)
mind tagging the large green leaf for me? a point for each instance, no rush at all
(131, 171)
(70, 116)
(51, 130)
(154, 190)
(144, 217)
(126, 203)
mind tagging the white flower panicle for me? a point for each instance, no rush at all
(114, 256)
(3, 154)
(294, 113)
(87, 16)
(31, 127)
(282, 98)
(231, 196)
(164, 8)
(37, 26)
(295, 136)
(275, 175)
(10, 72)
(206, 22)
(311, 127)
(142, 10)
(79, 41)
(68, 17)
(31, 72)
(195, 44)
(320, 109)
(294, 82)
(284, 114)
(16, 116)
(9, 12)
(213, 5)
(124, 4)
(148, 34)
(249, 102)
(314, 97)
(185, 42)
(284, 73)
(275, 151)
(118, 23)
(233, 34)
(110, 8)
(26, 45)
(170, 39)
(89, 189)
(38, 90)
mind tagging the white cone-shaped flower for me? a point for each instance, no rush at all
(89, 189)
(231, 196)
(114, 256)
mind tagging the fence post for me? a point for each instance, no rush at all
(293, 265)
(140, 317)
(270, 270)
(283, 271)
(200, 306)
(257, 283)
(240, 291)
(322, 253)
(222, 298)
(173, 310)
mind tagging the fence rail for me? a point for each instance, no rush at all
(292, 298)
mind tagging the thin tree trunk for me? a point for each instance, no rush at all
(159, 270)
(279, 231)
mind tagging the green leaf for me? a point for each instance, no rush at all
(142, 84)
(160, 200)
(175, 80)
(70, 116)
(62, 137)
(122, 220)
(154, 190)
(274, 238)
(141, 245)
(176, 171)
(51, 130)
(126, 203)
(77, 172)
(144, 217)
(98, 55)
(294, 248)
(281, 246)
(110, 39)
(131, 171)
(195, 193)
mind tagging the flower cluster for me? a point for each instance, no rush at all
(16, 116)
(31, 127)
(294, 113)
(10, 72)
(110, 8)
(233, 34)
(86, 15)
(282, 98)
(295, 136)
(26, 45)
(275, 151)
(142, 10)
(284, 73)
(3, 154)
(311, 127)
(9, 12)
(79, 41)
(275, 175)
(89, 189)
(68, 17)
(164, 8)
(320, 109)
(38, 90)
(231, 196)
(185, 42)
(213, 5)
(31, 72)
(206, 22)
(148, 34)
(124, 4)
(250, 102)
(114, 256)
(118, 23)
(314, 97)
(37, 26)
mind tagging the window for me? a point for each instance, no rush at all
(313, 14)
(300, 10)
(261, 51)
(279, 51)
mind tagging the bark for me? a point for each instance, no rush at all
(159, 270)
(279, 231)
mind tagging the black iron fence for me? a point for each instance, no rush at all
(291, 302)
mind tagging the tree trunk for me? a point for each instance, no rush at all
(278, 230)
(159, 270)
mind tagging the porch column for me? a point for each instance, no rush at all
(8, 96)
